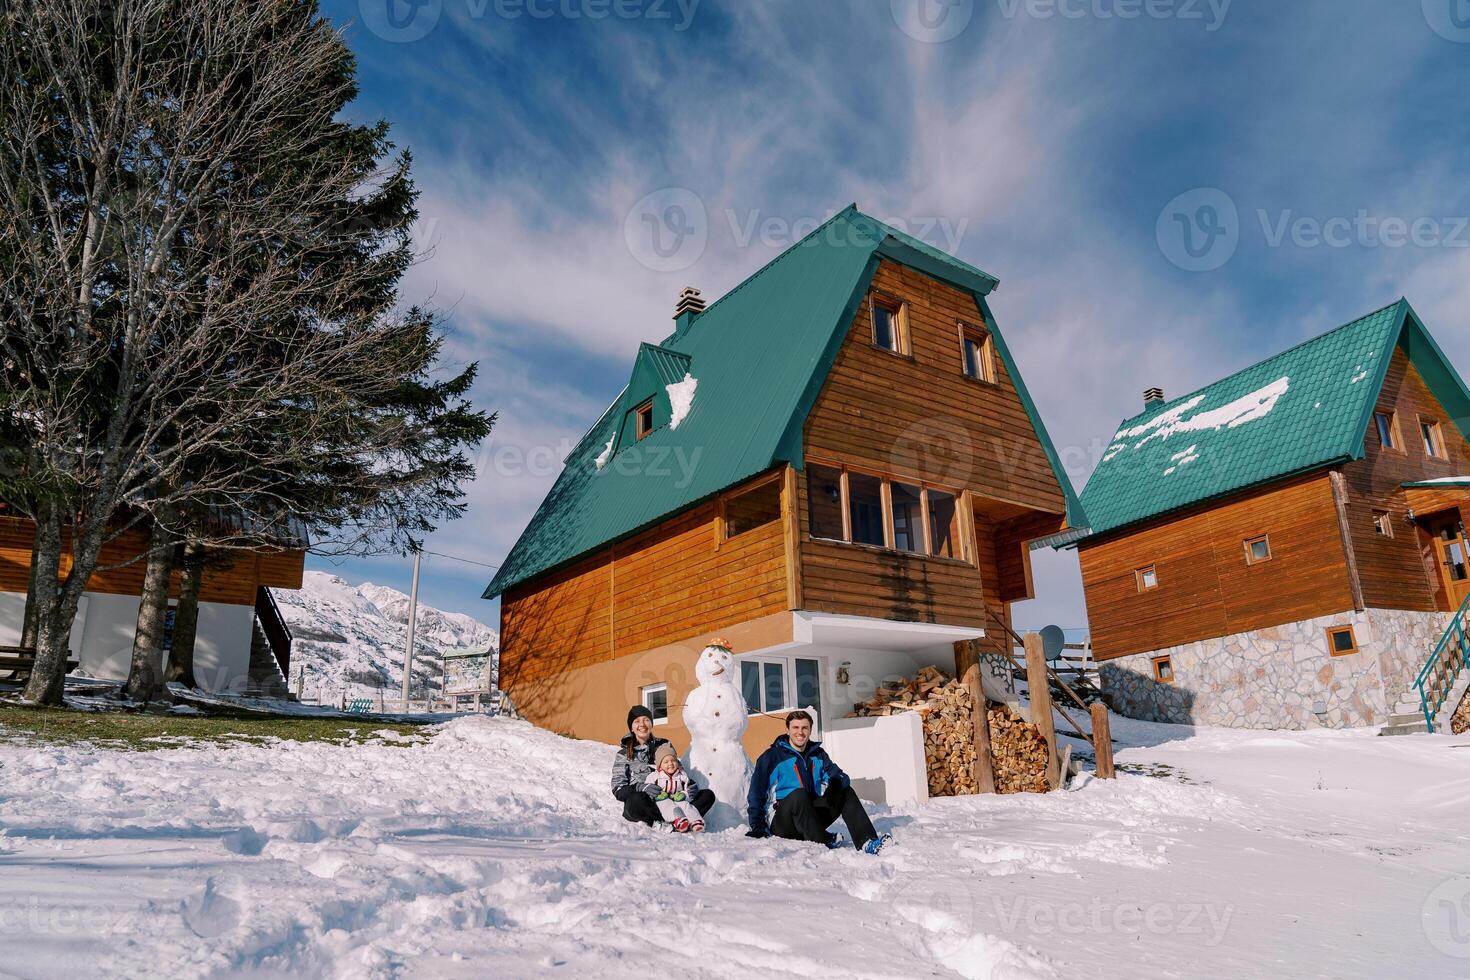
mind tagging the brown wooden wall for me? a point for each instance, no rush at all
(665, 585)
(234, 584)
(920, 415)
(1394, 571)
(1206, 588)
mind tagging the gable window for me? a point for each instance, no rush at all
(908, 517)
(1342, 640)
(1388, 430)
(1433, 439)
(1148, 578)
(1383, 523)
(890, 324)
(1164, 670)
(863, 508)
(655, 698)
(977, 353)
(643, 419)
(1258, 550)
(754, 508)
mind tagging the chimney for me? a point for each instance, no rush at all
(690, 305)
(1153, 396)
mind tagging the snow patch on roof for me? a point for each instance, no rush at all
(1249, 408)
(606, 453)
(1447, 481)
(1362, 375)
(1113, 451)
(681, 398)
(1182, 459)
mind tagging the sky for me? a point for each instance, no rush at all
(1168, 191)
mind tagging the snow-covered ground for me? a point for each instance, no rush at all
(492, 849)
(349, 640)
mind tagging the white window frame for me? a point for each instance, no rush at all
(643, 694)
(788, 684)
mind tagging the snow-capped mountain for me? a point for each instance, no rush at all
(350, 639)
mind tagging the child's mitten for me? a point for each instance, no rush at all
(678, 797)
(661, 796)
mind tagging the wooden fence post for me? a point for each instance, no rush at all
(984, 764)
(1039, 692)
(1102, 741)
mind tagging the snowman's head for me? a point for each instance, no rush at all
(716, 665)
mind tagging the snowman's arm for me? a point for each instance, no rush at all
(695, 706)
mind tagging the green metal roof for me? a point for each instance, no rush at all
(759, 357)
(1301, 410)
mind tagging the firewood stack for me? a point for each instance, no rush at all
(1017, 748)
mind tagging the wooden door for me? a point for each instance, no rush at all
(1454, 558)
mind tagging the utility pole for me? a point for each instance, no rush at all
(413, 608)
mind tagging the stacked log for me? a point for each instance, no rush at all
(947, 707)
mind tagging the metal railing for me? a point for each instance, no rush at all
(273, 625)
(1437, 678)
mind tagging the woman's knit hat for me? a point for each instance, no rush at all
(638, 711)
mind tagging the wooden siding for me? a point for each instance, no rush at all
(670, 583)
(1206, 588)
(233, 579)
(1395, 572)
(919, 415)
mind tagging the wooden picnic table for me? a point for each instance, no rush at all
(20, 661)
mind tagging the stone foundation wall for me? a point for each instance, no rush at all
(1281, 677)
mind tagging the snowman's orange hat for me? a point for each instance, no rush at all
(722, 643)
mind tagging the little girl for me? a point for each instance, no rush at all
(671, 789)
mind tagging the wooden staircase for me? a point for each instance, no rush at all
(1442, 681)
(270, 650)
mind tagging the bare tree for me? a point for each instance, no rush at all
(190, 313)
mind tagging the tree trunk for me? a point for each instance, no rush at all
(152, 608)
(52, 638)
(30, 624)
(186, 617)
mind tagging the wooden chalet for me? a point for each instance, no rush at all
(836, 466)
(242, 643)
(1286, 548)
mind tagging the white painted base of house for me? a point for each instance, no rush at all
(884, 757)
(1283, 677)
(102, 638)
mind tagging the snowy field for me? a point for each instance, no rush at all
(493, 849)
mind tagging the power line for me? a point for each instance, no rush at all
(467, 561)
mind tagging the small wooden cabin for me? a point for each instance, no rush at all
(241, 644)
(836, 466)
(1286, 547)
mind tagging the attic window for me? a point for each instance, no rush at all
(977, 353)
(890, 324)
(643, 419)
(1388, 430)
(1433, 439)
(1258, 550)
(1148, 578)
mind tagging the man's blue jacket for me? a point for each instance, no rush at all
(781, 770)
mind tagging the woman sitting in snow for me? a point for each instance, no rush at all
(633, 763)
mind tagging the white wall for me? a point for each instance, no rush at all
(102, 637)
(884, 756)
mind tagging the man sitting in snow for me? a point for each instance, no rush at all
(809, 791)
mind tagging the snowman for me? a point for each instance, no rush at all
(714, 713)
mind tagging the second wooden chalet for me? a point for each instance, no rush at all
(1286, 547)
(836, 466)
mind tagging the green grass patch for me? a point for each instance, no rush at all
(142, 732)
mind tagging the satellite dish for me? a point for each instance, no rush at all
(1053, 642)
